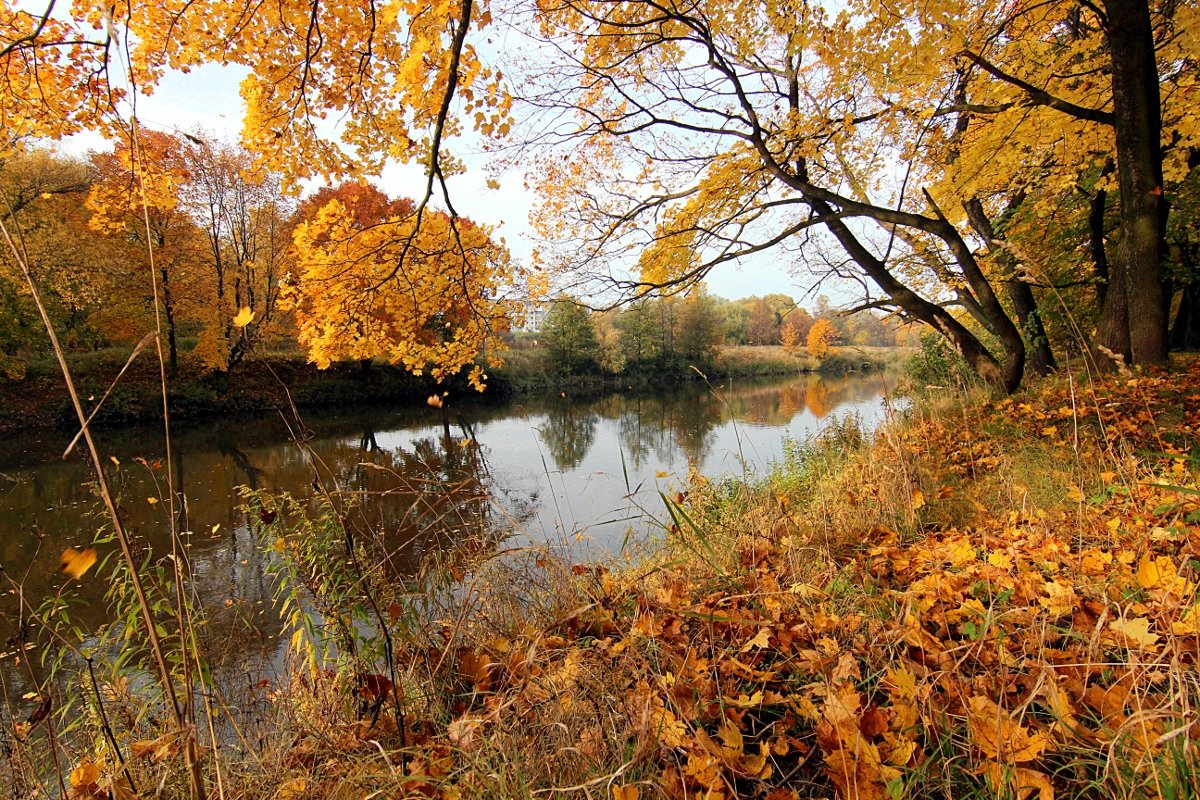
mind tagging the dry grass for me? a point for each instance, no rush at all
(987, 599)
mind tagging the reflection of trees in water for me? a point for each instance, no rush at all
(568, 432)
(408, 502)
(821, 394)
(667, 424)
(817, 396)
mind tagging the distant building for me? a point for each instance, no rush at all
(535, 317)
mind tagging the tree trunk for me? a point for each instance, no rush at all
(1137, 118)
(985, 365)
(1100, 268)
(169, 316)
(1041, 358)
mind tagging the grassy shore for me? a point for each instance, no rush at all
(527, 369)
(984, 599)
(275, 380)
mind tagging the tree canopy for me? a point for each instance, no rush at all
(1002, 171)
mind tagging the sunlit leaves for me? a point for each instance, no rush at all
(424, 292)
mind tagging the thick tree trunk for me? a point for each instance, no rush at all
(1137, 118)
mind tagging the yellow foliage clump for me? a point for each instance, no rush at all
(421, 290)
(821, 337)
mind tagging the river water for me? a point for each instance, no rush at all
(582, 473)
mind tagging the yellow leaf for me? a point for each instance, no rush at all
(76, 562)
(151, 500)
(999, 736)
(493, 184)
(662, 474)
(761, 639)
(292, 790)
(731, 737)
(86, 774)
(1136, 630)
(243, 317)
(1075, 495)
(918, 499)
(1189, 625)
(1019, 782)
(1000, 559)
(806, 591)
(1148, 574)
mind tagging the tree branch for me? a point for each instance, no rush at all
(1040, 97)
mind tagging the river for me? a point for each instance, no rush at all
(584, 474)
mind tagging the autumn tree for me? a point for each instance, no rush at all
(775, 110)
(244, 220)
(762, 328)
(795, 328)
(135, 198)
(40, 204)
(703, 135)
(379, 278)
(821, 336)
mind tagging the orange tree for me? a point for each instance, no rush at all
(135, 198)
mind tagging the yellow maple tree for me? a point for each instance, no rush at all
(379, 279)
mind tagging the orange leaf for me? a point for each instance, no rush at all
(76, 562)
(87, 774)
(999, 736)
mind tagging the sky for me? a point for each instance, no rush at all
(207, 99)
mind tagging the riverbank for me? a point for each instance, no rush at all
(988, 598)
(278, 379)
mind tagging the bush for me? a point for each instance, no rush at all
(936, 366)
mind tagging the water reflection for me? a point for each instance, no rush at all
(683, 420)
(420, 482)
(568, 433)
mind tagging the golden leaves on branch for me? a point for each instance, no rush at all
(424, 292)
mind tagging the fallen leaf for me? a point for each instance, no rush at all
(1136, 630)
(1148, 573)
(999, 736)
(292, 790)
(762, 639)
